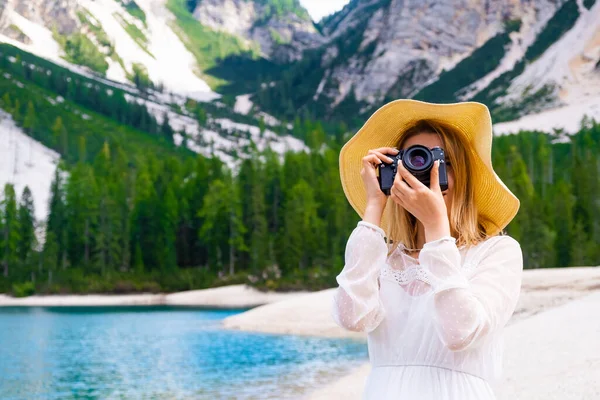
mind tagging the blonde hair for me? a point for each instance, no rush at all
(465, 223)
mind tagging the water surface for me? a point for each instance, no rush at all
(158, 353)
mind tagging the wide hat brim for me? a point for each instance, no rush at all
(496, 204)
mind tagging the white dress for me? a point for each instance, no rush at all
(434, 324)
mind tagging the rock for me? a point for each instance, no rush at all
(59, 13)
(281, 38)
(402, 35)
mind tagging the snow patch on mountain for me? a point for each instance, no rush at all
(567, 118)
(243, 104)
(265, 139)
(169, 62)
(26, 162)
(42, 42)
(262, 140)
(179, 122)
(222, 136)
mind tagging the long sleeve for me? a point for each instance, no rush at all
(465, 310)
(356, 303)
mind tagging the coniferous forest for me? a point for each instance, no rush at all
(131, 212)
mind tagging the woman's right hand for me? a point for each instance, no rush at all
(375, 197)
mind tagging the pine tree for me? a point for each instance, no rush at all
(578, 245)
(259, 239)
(7, 102)
(168, 214)
(201, 117)
(184, 140)
(26, 218)
(237, 230)
(316, 137)
(57, 218)
(300, 224)
(16, 112)
(273, 200)
(82, 149)
(563, 200)
(262, 127)
(143, 220)
(138, 260)
(60, 137)
(10, 229)
(30, 123)
(522, 187)
(124, 195)
(193, 190)
(331, 196)
(166, 130)
(538, 246)
(50, 255)
(544, 157)
(102, 162)
(215, 225)
(103, 256)
(82, 213)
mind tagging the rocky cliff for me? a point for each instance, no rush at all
(59, 13)
(282, 32)
(402, 46)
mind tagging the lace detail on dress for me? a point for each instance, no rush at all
(405, 276)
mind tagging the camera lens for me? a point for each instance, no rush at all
(417, 161)
(418, 158)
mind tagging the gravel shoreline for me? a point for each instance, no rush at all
(225, 297)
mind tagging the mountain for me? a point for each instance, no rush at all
(519, 57)
(139, 47)
(557, 80)
(536, 63)
(117, 39)
(281, 29)
(267, 58)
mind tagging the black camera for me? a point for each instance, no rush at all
(418, 160)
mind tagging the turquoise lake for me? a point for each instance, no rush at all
(158, 353)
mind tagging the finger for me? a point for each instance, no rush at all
(371, 160)
(381, 156)
(435, 177)
(402, 187)
(410, 178)
(396, 197)
(390, 150)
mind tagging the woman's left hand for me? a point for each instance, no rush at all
(427, 205)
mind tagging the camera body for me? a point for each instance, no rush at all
(418, 160)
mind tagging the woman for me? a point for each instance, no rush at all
(435, 297)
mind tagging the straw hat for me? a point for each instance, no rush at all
(496, 204)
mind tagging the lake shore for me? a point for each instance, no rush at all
(309, 314)
(551, 355)
(225, 297)
(551, 334)
(549, 297)
(557, 308)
